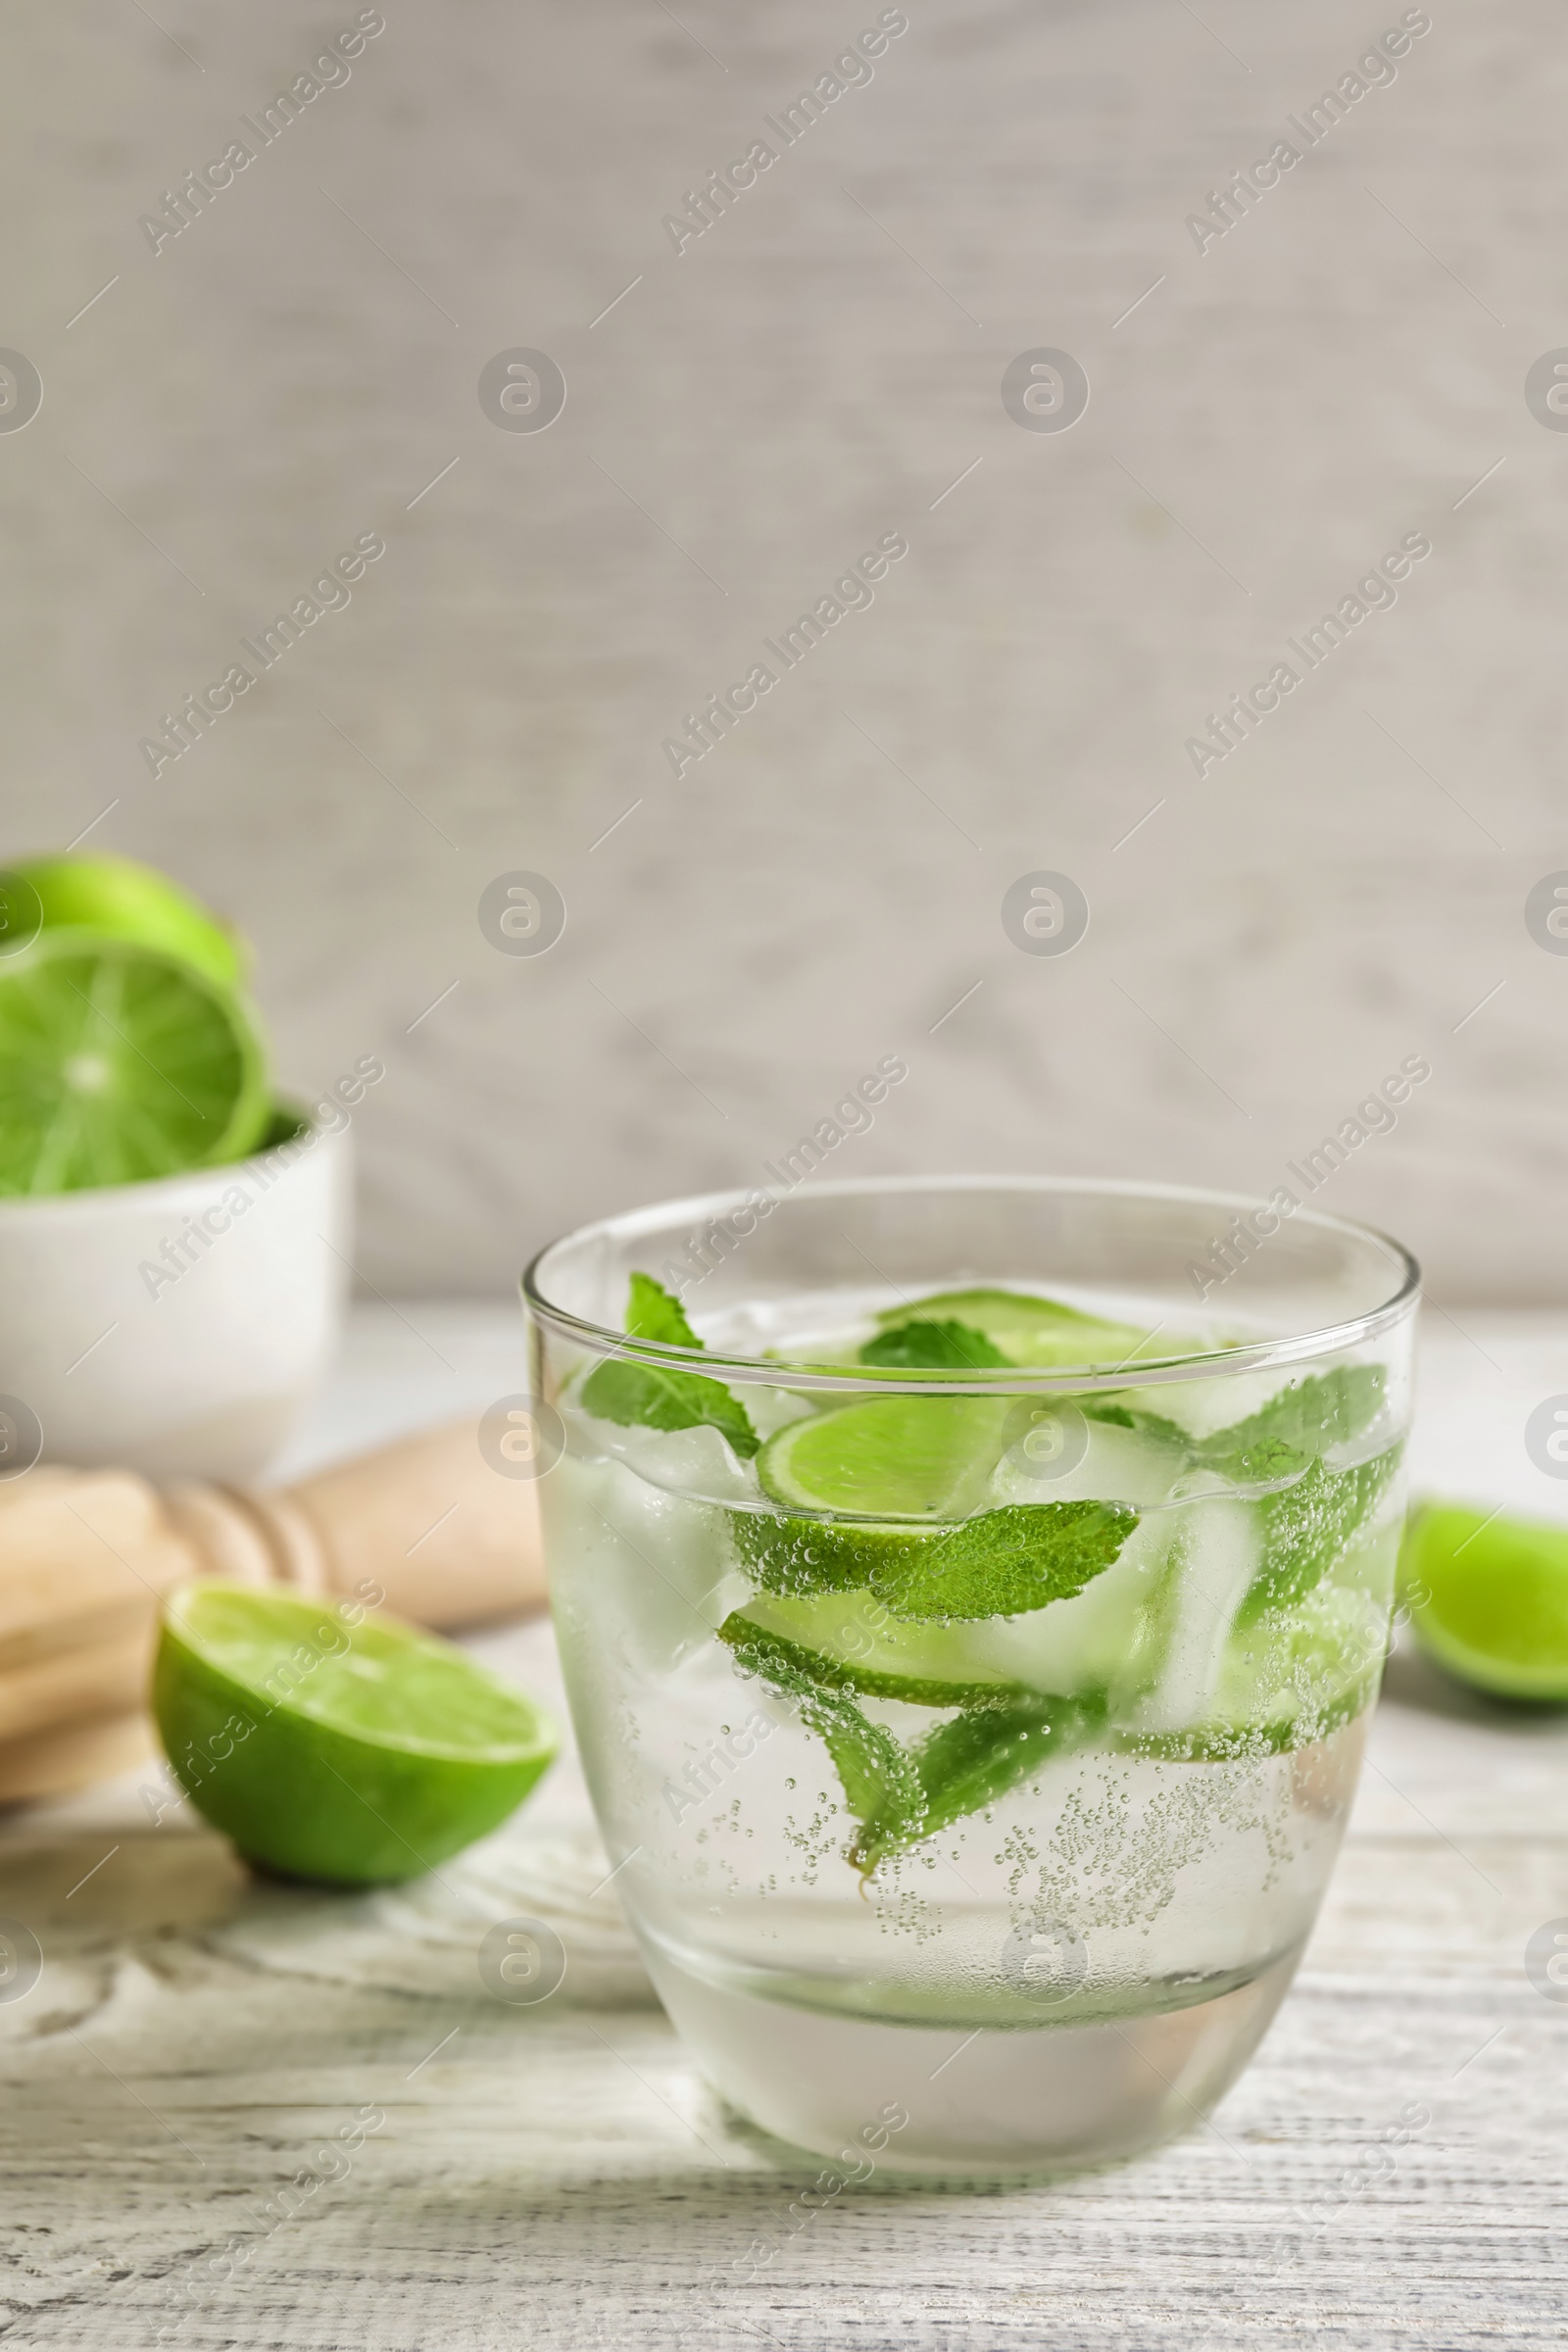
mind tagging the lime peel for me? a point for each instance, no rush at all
(1487, 1597)
(335, 1746)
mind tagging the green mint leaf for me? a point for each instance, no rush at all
(645, 1395)
(968, 1764)
(900, 1795)
(1293, 1428)
(791, 1553)
(787, 1663)
(881, 1787)
(1309, 1528)
(1255, 1462)
(1004, 1562)
(1277, 1441)
(933, 1346)
(1123, 1416)
(654, 1314)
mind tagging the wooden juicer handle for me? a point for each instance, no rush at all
(424, 1527)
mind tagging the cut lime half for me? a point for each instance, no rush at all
(127, 899)
(355, 1754)
(1488, 1600)
(118, 1063)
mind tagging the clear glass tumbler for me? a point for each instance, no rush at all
(972, 1594)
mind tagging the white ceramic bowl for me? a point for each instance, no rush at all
(176, 1327)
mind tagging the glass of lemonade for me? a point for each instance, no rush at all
(972, 1594)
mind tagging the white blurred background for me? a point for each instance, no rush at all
(1267, 417)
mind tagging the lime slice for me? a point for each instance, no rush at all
(127, 899)
(911, 1477)
(354, 1754)
(1488, 1600)
(1028, 1330)
(898, 1459)
(117, 1063)
(904, 1458)
(848, 1640)
(1290, 1679)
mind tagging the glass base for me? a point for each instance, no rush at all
(1020, 2102)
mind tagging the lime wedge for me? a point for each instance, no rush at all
(118, 1063)
(1488, 1600)
(1028, 1330)
(355, 1754)
(126, 899)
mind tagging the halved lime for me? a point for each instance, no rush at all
(1488, 1600)
(351, 1753)
(1028, 1329)
(127, 899)
(118, 1063)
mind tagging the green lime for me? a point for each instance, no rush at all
(126, 899)
(1488, 1600)
(351, 1753)
(848, 1640)
(1286, 1681)
(890, 1458)
(904, 1458)
(118, 1063)
(1028, 1330)
(895, 1496)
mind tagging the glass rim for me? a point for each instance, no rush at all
(1007, 1380)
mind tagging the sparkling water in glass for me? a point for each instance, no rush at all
(972, 1594)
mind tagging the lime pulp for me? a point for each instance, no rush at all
(355, 1753)
(119, 1062)
(1487, 1597)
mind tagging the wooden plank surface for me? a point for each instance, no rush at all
(180, 2090)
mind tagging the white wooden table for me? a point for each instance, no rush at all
(558, 2177)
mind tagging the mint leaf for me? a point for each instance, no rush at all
(1309, 1528)
(1002, 1563)
(654, 1314)
(933, 1346)
(1258, 1459)
(645, 1395)
(998, 1564)
(900, 1795)
(791, 1664)
(1327, 1409)
(968, 1764)
(791, 1553)
(1280, 1439)
(1123, 1416)
(881, 1787)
